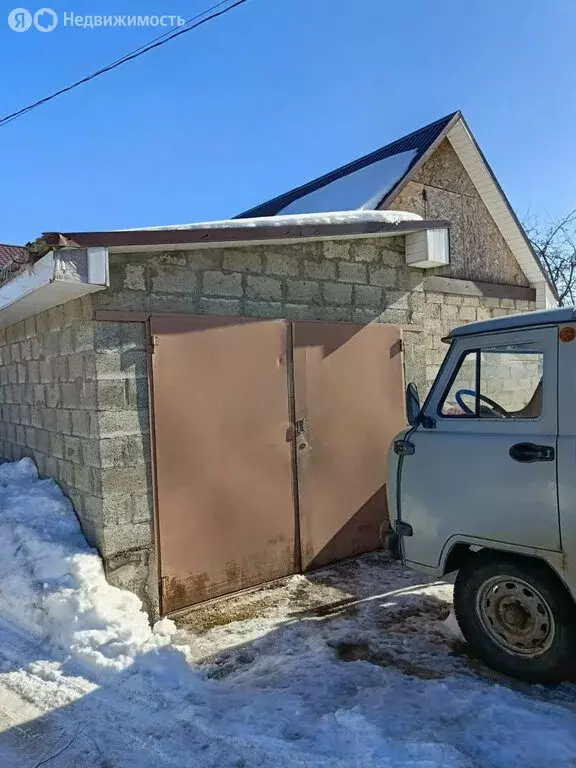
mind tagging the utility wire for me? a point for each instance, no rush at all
(168, 34)
(136, 53)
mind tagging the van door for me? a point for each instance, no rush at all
(485, 464)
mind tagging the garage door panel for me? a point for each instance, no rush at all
(350, 403)
(223, 454)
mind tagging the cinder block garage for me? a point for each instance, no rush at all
(217, 400)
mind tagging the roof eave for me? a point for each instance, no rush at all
(155, 239)
(57, 277)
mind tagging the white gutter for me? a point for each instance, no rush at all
(57, 277)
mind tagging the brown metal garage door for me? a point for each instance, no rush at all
(223, 456)
(349, 405)
(271, 442)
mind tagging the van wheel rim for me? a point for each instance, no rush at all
(516, 616)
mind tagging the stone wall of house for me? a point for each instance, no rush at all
(442, 189)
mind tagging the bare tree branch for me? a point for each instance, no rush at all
(554, 242)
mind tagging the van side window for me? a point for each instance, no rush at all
(496, 383)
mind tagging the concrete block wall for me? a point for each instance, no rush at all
(73, 397)
(48, 398)
(123, 481)
(356, 280)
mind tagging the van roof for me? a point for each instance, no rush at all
(523, 320)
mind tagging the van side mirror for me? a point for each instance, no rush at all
(412, 403)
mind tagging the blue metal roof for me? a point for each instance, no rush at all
(510, 322)
(417, 142)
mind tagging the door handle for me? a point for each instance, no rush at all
(526, 453)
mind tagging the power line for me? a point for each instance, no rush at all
(167, 34)
(136, 53)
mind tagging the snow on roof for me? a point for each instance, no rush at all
(362, 189)
(299, 220)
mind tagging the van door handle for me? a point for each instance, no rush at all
(529, 452)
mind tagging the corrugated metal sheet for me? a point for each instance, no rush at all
(419, 140)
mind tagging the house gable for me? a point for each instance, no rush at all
(483, 213)
(441, 188)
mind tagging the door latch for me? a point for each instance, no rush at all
(300, 426)
(404, 448)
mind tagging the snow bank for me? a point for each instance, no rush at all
(298, 220)
(52, 585)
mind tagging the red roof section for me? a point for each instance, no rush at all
(12, 254)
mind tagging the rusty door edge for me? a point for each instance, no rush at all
(155, 572)
(290, 374)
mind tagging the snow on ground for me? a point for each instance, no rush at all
(53, 586)
(353, 666)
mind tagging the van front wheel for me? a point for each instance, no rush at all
(517, 616)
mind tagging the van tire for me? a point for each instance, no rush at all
(517, 615)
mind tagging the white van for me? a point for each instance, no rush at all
(484, 483)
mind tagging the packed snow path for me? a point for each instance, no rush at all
(351, 667)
